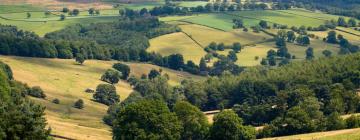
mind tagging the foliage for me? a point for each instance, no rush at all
(79, 104)
(111, 76)
(234, 128)
(106, 94)
(123, 68)
(20, 118)
(37, 92)
(146, 119)
(194, 122)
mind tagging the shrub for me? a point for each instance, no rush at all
(106, 94)
(123, 68)
(37, 92)
(353, 121)
(79, 104)
(56, 101)
(111, 76)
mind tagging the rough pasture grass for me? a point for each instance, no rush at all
(247, 55)
(299, 51)
(177, 43)
(18, 8)
(346, 134)
(205, 35)
(65, 80)
(41, 28)
(191, 3)
(312, 14)
(140, 5)
(352, 38)
(280, 17)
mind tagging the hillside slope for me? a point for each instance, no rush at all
(66, 80)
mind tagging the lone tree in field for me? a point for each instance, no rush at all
(106, 94)
(238, 23)
(153, 74)
(80, 58)
(232, 56)
(236, 47)
(91, 11)
(65, 10)
(263, 24)
(146, 119)
(310, 53)
(331, 37)
(28, 15)
(79, 104)
(111, 76)
(234, 127)
(37, 92)
(123, 68)
(327, 53)
(62, 17)
(75, 12)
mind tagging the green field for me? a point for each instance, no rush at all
(295, 17)
(140, 5)
(205, 35)
(190, 3)
(41, 28)
(65, 80)
(18, 8)
(177, 43)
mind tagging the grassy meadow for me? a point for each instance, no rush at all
(205, 35)
(66, 80)
(177, 43)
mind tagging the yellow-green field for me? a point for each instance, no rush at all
(177, 43)
(205, 35)
(347, 134)
(352, 38)
(65, 80)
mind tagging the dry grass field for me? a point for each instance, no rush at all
(59, 4)
(346, 134)
(352, 38)
(66, 80)
(177, 43)
(205, 35)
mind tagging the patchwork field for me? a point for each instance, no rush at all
(350, 37)
(205, 35)
(41, 28)
(317, 45)
(177, 43)
(65, 80)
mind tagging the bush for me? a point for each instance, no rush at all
(56, 101)
(111, 76)
(106, 94)
(79, 104)
(353, 121)
(124, 69)
(37, 92)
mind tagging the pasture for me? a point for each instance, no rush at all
(205, 35)
(41, 28)
(177, 43)
(66, 80)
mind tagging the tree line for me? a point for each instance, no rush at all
(306, 94)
